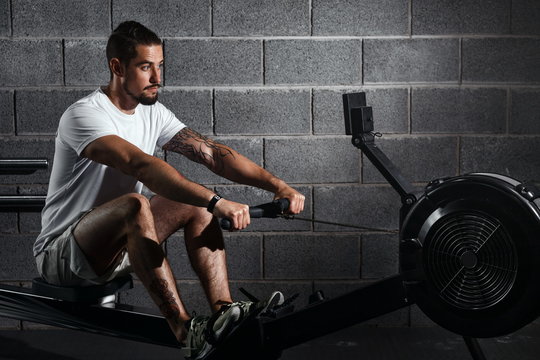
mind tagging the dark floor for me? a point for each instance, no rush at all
(359, 342)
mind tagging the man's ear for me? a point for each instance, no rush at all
(116, 67)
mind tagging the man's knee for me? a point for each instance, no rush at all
(201, 215)
(136, 205)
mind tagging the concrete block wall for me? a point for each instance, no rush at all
(454, 85)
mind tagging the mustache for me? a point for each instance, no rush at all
(152, 86)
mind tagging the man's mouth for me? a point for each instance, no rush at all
(155, 86)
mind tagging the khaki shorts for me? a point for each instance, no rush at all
(62, 262)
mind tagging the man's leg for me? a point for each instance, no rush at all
(204, 244)
(127, 223)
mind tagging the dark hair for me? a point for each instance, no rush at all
(125, 38)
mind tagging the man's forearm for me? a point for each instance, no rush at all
(241, 170)
(164, 180)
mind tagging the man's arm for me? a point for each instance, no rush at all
(160, 177)
(229, 164)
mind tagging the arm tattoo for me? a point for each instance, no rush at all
(199, 148)
(169, 308)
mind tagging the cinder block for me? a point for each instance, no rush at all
(516, 157)
(166, 18)
(525, 15)
(411, 60)
(501, 60)
(370, 206)
(253, 196)
(253, 111)
(20, 264)
(39, 111)
(8, 223)
(525, 111)
(192, 107)
(244, 256)
(7, 123)
(390, 110)
(359, 18)
(420, 159)
(251, 148)
(311, 256)
(313, 160)
(30, 223)
(314, 62)
(458, 110)
(31, 62)
(62, 18)
(254, 17)
(380, 255)
(5, 18)
(86, 62)
(213, 62)
(461, 17)
(28, 147)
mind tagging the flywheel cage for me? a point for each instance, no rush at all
(470, 259)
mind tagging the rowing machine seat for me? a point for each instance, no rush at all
(85, 294)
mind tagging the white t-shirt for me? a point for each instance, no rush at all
(78, 184)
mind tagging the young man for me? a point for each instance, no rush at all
(96, 225)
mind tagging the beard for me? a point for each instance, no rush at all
(142, 99)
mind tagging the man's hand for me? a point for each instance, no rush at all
(296, 199)
(237, 213)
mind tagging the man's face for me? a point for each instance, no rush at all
(143, 74)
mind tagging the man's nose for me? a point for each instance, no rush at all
(156, 76)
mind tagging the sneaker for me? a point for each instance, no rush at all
(204, 332)
(196, 345)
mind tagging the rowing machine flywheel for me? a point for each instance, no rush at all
(470, 254)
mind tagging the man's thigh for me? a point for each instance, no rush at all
(102, 233)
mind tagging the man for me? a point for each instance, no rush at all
(96, 225)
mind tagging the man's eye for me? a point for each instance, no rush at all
(145, 68)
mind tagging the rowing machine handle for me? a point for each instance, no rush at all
(267, 210)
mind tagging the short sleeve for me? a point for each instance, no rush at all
(170, 125)
(81, 124)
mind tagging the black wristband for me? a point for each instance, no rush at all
(212, 203)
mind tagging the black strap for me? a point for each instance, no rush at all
(212, 203)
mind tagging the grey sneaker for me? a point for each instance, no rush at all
(196, 345)
(204, 329)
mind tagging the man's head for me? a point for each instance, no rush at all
(135, 57)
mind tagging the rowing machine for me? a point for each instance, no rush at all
(469, 250)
